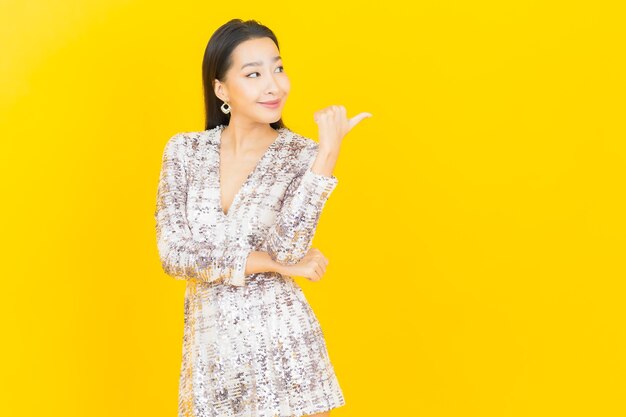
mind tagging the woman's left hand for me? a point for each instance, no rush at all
(334, 125)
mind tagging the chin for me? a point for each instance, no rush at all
(273, 119)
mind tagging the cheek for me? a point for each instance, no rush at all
(244, 91)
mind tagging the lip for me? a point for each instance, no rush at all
(270, 104)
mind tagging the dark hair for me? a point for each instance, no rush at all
(218, 59)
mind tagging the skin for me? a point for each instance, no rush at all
(249, 134)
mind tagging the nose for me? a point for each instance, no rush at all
(272, 86)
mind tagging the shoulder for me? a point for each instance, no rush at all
(174, 146)
(191, 141)
(300, 140)
(303, 145)
(196, 138)
(302, 151)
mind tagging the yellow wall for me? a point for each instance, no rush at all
(476, 238)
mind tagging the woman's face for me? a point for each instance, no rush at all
(256, 76)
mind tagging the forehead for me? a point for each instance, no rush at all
(260, 49)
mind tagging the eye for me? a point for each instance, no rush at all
(248, 76)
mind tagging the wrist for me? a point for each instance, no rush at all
(327, 152)
(280, 268)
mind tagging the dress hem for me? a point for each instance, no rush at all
(324, 410)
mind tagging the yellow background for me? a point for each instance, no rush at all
(476, 238)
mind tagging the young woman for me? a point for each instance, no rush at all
(237, 208)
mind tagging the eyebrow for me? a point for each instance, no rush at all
(257, 63)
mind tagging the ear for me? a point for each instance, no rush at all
(218, 89)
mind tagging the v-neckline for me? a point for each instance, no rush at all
(281, 133)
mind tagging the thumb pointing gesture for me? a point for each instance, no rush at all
(356, 119)
(334, 125)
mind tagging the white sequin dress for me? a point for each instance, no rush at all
(252, 345)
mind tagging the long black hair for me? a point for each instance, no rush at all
(218, 59)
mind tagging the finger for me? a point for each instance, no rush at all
(337, 114)
(314, 276)
(356, 119)
(320, 117)
(320, 258)
(319, 270)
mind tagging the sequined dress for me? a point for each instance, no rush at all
(252, 345)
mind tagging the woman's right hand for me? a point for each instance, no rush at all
(312, 266)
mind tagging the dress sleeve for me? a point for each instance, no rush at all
(291, 236)
(181, 256)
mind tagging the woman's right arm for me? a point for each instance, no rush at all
(259, 262)
(181, 256)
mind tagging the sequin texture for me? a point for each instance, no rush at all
(252, 345)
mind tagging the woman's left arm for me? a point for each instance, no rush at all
(291, 235)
